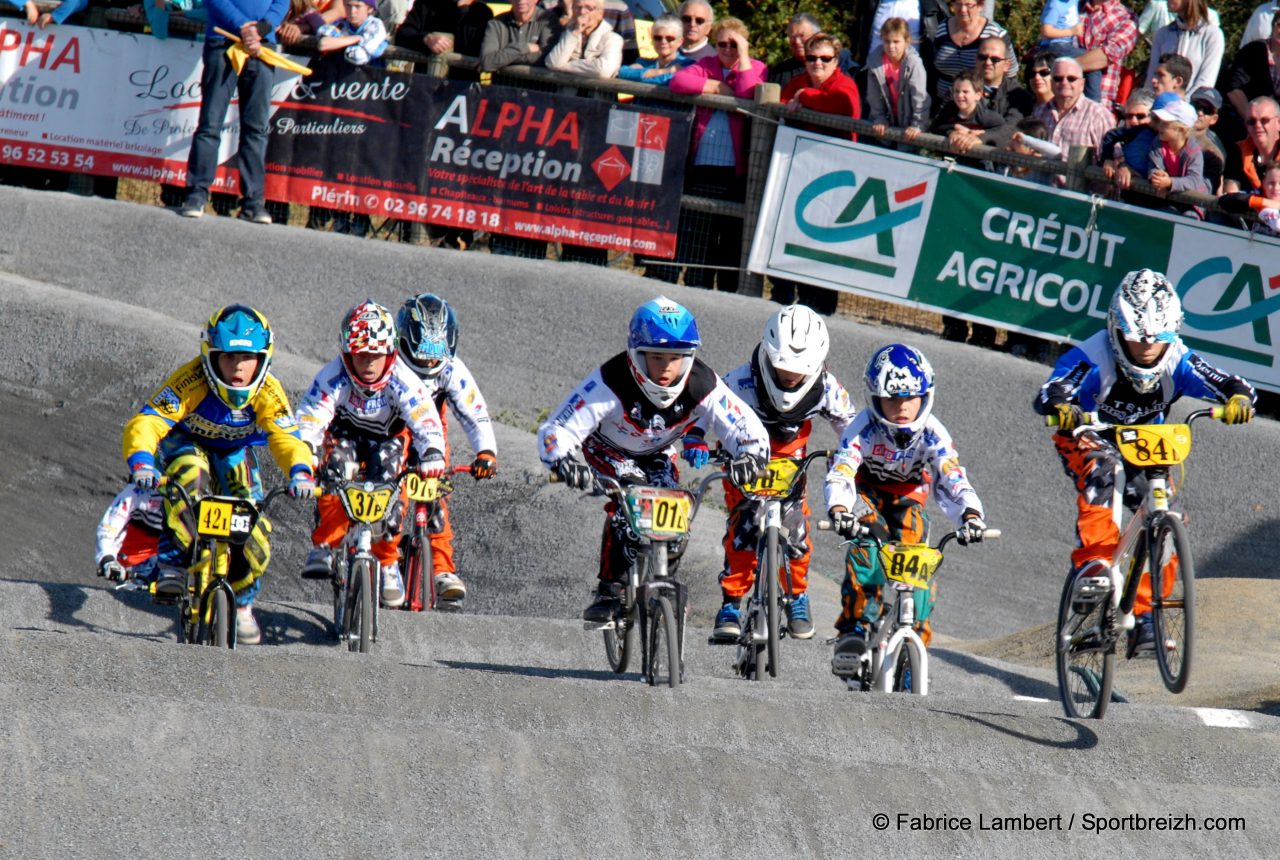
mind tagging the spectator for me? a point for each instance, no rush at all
(1060, 30)
(1264, 204)
(1252, 72)
(361, 35)
(255, 21)
(1156, 14)
(1171, 75)
(1039, 70)
(1207, 103)
(1072, 119)
(1001, 96)
(824, 88)
(1193, 36)
(305, 20)
(922, 17)
(800, 29)
(1030, 138)
(965, 116)
(1109, 36)
(897, 91)
(1126, 149)
(718, 158)
(58, 15)
(698, 19)
(588, 47)
(1258, 150)
(446, 26)
(955, 47)
(666, 36)
(1177, 164)
(617, 14)
(520, 36)
(1260, 22)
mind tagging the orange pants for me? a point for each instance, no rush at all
(441, 536)
(350, 452)
(741, 539)
(1097, 470)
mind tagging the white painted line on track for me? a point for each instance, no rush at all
(1029, 699)
(1223, 718)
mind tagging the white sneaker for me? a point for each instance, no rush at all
(449, 587)
(247, 630)
(392, 586)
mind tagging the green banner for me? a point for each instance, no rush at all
(1005, 252)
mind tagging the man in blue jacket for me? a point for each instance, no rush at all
(256, 22)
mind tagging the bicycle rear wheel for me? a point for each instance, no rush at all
(358, 618)
(664, 644)
(773, 606)
(1173, 605)
(1086, 658)
(620, 639)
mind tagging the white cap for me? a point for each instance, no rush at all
(1179, 111)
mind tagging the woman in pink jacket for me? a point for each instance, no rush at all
(717, 160)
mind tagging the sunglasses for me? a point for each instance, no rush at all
(665, 38)
(1070, 79)
(733, 45)
(1041, 73)
(689, 19)
(987, 58)
(1207, 110)
(1259, 120)
(819, 58)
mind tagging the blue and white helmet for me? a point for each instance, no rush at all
(236, 329)
(1145, 309)
(662, 325)
(898, 370)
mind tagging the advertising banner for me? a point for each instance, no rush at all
(1005, 252)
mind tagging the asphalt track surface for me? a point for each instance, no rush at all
(499, 730)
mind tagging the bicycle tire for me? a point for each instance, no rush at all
(358, 621)
(772, 601)
(221, 617)
(1086, 667)
(663, 644)
(1173, 616)
(618, 649)
(906, 669)
(418, 597)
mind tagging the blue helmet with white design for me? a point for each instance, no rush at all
(894, 371)
(662, 325)
(427, 334)
(1145, 309)
(236, 329)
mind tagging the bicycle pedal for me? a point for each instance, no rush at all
(451, 605)
(598, 625)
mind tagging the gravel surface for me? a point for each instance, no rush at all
(499, 729)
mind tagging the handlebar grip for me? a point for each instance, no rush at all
(824, 525)
(991, 534)
(1217, 412)
(554, 478)
(1051, 420)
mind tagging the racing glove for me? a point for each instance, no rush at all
(746, 468)
(111, 569)
(302, 486)
(1238, 410)
(484, 466)
(972, 529)
(432, 465)
(1070, 416)
(145, 477)
(576, 475)
(848, 524)
(696, 453)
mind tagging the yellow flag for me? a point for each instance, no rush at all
(238, 56)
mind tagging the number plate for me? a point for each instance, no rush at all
(214, 519)
(780, 475)
(422, 489)
(1154, 444)
(367, 503)
(910, 564)
(659, 514)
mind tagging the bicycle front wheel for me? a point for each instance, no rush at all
(664, 644)
(358, 618)
(1173, 605)
(773, 605)
(1086, 658)
(906, 670)
(221, 619)
(417, 572)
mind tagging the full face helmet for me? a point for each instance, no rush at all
(427, 334)
(236, 329)
(794, 341)
(1145, 309)
(662, 325)
(368, 328)
(898, 370)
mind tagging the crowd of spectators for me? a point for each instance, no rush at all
(1200, 116)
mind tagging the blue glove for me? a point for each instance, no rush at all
(696, 453)
(303, 486)
(145, 477)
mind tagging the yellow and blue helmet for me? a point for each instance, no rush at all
(236, 329)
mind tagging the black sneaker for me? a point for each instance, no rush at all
(171, 582)
(850, 648)
(605, 606)
(1143, 637)
(255, 216)
(193, 206)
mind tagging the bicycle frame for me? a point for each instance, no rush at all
(366, 504)
(425, 497)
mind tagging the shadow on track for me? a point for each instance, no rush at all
(539, 671)
(1085, 737)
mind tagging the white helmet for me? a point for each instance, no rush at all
(795, 340)
(1145, 309)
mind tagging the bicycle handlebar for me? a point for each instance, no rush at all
(1092, 422)
(166, 486)
(987, 534)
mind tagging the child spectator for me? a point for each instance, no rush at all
(1032, 139)
(1265, 205)
(966, 108)
(1060, 30)
(1125, 149)
(897, 90)
(1177, 164)
(1171, 75)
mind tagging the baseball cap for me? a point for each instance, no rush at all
(1164, 100)
(1179, 111)
(1208, 96)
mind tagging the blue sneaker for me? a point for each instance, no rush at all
(799, 625)
(728, 622)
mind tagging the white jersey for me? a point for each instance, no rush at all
(867, 451)
(610, 404)
(456, 385)
(403, 402)
(129, 503)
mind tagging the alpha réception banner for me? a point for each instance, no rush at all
(556, 167)
(1005, 252)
